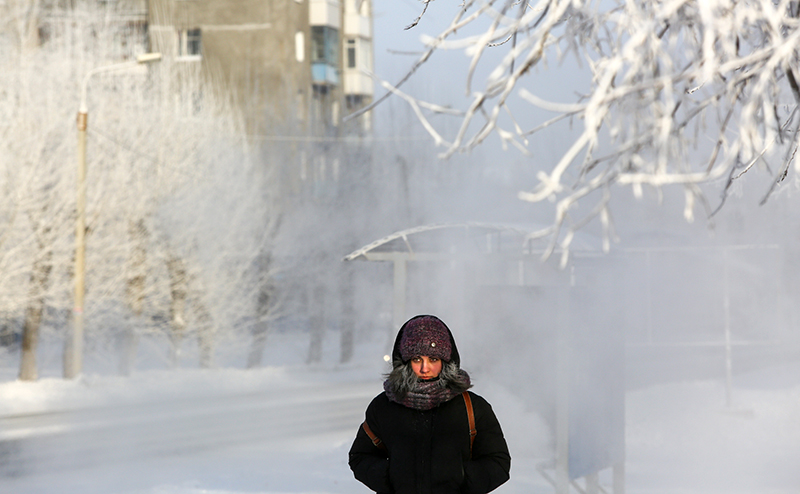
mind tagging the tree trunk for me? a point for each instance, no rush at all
(258, 344)
(177, 306)
(7, 336)
(261, 328)
(205, 335)
(33, 317)
(127, 343)
(347, 328)
(27, 22)
(134, 293)
(317, 324)
(30, 340)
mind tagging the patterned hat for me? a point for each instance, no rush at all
(425, 335)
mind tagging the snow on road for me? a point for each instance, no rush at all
(123, 433)
(287, 430)
(99, 439)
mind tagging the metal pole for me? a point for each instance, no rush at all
(73, 351)
(562, 392)
(649, 295)
(619, 478)
(593, 483)
(726, 304)
(399, 312)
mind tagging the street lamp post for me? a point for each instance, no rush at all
(73, 349)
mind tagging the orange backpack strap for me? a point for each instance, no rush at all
(375, 439)
(471, 417)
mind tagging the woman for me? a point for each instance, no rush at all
(417, 435)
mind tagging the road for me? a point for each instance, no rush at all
(56, 451)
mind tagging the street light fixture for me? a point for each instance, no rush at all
(73, 349)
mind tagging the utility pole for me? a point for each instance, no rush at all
(73, 347)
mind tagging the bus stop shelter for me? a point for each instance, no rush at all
(586, 407)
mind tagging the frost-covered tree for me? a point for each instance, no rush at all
(686, 93)
(164, 160)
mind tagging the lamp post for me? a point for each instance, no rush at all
(73, 349)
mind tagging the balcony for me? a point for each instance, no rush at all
(323, 73)
(325, 13)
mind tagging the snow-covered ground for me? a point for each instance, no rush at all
(287, 429)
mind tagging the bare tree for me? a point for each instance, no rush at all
(683, 92)
(162, 154)
(265, 302)
(39, 280)
(135, 292)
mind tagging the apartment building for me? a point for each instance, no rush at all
(294, 66)
(359, 58)
(291, 65)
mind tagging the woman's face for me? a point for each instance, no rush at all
(426, 367)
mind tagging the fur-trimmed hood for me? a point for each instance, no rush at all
(404, 387)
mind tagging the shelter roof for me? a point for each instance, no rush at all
(445, 240)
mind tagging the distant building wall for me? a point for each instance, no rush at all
(358, 61)
(294, 68)
(256, 52)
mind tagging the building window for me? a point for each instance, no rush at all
(324, 55)
(351, 53)
(190, 43)
(358, 53)
(354, 101)
(324, 43)
(299, 46)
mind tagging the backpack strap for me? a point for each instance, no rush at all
(375, 439)
(471, 417)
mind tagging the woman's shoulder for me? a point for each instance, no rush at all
(382, 409)
(479, 403)
(379, 401)
(476, 398)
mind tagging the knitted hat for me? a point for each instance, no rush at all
(425, 335)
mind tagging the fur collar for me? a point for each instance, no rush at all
(404, 387)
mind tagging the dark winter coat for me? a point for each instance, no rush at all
(428, 451)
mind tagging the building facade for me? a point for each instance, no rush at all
(359, 60)
(291, 66)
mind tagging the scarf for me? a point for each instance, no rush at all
(426, 395)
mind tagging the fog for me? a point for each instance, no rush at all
(613, 348)
(666, 285)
